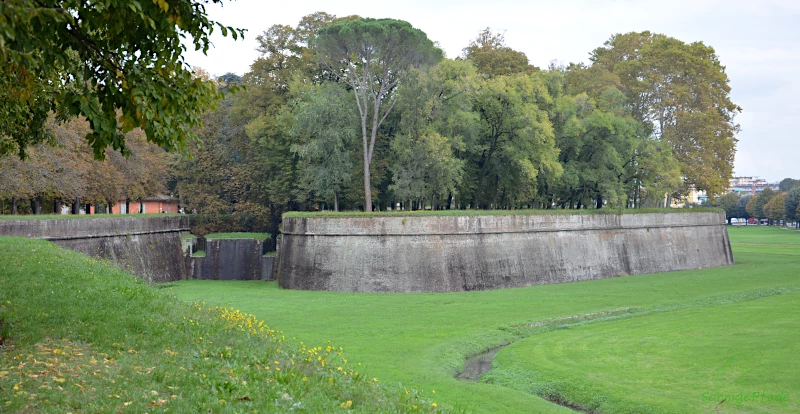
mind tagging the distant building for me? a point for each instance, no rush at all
(694, 196)
(151, 205)
(750, 185)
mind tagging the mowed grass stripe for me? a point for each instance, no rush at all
(422, 339)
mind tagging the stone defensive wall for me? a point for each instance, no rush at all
(232, 259)
(149, 247)
(476, 252)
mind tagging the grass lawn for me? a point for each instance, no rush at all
(688, 360)
(422, 339)
(80, 335)
(256, 236)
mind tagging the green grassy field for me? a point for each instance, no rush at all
(647, 359)
(80, 335)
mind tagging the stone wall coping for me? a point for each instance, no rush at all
(88, 228)
(490, 224)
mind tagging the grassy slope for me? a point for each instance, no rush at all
(422, 339)
(77, 334)
(349, 214)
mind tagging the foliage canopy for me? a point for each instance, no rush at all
(116, 63)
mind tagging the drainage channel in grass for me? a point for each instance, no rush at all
(481, 363)
(477, 365)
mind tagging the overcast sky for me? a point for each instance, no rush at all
(757, 41)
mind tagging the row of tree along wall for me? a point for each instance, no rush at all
(476, 252)
(149, 247)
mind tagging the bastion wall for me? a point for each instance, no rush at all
(462, 253)
(148, 247)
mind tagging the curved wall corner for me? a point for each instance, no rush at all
(462, 253)
(148, 247)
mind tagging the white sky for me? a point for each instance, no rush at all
(757, 41)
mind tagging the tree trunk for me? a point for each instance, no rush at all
(336, 201)
(57, 206)
(127, 206)
(478, 190)
(37, 205)
(76, 205)
(367, 189)
(599, 201)
(14, 203)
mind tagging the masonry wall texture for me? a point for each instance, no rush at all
(461, 253)
(230, 259)
(149, 247)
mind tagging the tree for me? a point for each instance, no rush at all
(750, 208)
(515, 140)
(788, 183)
(729, 202)
(792, 203)
(760, 201)
(741, 207)
(212, 180)
(425, 168)
(607, 154)
(490, 55)
(117, 64)
(435, 119)
(68, 171)
(373, 56)
(680, 91)
(774, 209)
(325, 134)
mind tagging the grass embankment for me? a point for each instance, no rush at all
(78, 334)
(254, 236)
(422, 339)
(80, 216)
(447, 213)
